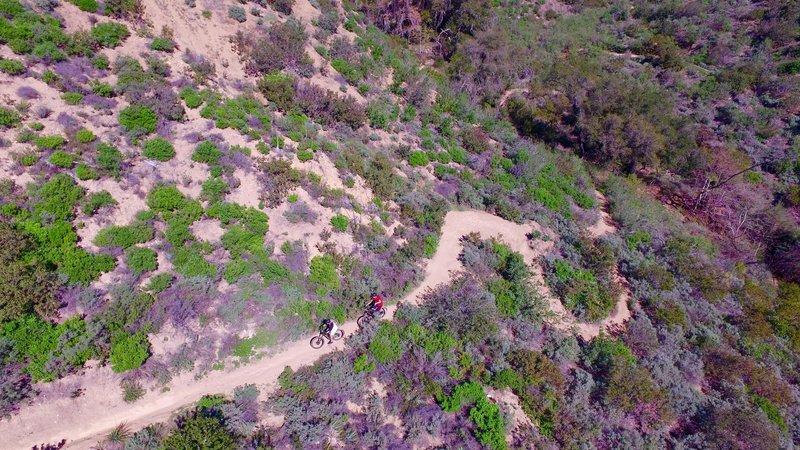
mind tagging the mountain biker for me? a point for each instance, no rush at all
(375, 303)
(328, 329)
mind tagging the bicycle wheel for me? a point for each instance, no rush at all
(338, 335)
(381, 313)
(363, 320)
(317, 341)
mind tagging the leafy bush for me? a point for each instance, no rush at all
(305, 155)
(84, 172)
(160, 282)
(418, 159)
(162, 44)
(278, 87)
(8, 117)
(166, 198)
(237, 13)
(386, 346)
(238, 113)
(85, 5)
(128, 351)
(95, 201)
(207, 152)
(339, 223)
(12, 66)
(62, 159)
(237, 240)
(141, 259)
(159, 149)
(101, 62)
(109, 158)
(191, 97)
(214, 190)
(85, 136)
(72, 98)
(49, 142)
(123, 236)
(323, 272)
(110, 34)
(189, 262)
(138, 120)
(198, 431)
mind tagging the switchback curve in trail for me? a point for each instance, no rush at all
(88, 419)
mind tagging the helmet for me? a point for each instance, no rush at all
(326, 321)
(374, 295)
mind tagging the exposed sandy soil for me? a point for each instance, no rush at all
(101, 408)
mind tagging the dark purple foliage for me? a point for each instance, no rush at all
(27, 93)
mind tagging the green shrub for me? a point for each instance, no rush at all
(95, 201)
(165, 198)
(84, 172)
(191, 97)
(237, 240)
(238, 269)
(109, 158)
(200, 431)
(214, 190)
(189, 262)
(350, 73)
(128, 351)
(362, 364)
(305, 155)
(162, 44)
(237, 113)
(50, 77)
(386, 346)
(131, 391)
(138, 120)
(110, 34)
(62, 159)
(278, 87)
(101, 62)
(49, 52)
(159, 149)
(339, 223)
(85, 5)
(418, 159)
(8, 117)
(51, 142)
(72, 98)
(141, 259)
(207, 152)
(160, 282)
(12, 66)
(85, 136)
(323, 272)
(123, 236)
(39, 342)
(102, 89)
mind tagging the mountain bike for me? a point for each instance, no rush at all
(319, 341)
(369, 316)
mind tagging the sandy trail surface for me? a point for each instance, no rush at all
(89, 418)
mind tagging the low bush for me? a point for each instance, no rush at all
(141, 259)
(214, 190)
(95, 201)
(323, 272)
(8, 117)
(165, 198)
(237, 13)
(102, 89)
(131, 391)
(207, 152)
(72, 98)
(162, 44)
(128, 351)
(109, 158)
(85, 136)
(339, 223)
(85, 5)
(12, 66)
(123, 236)
(138, 120)
(418, 159)
(160, 282)
(110, 34)
(278, 87)
(159, 149)
(62, 159)
(191, 97)
(84, 172)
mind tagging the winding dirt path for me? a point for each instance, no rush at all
(89, 418)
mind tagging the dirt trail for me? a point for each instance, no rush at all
(89, 418)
